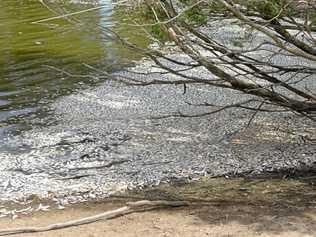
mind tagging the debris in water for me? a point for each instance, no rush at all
(42, 207)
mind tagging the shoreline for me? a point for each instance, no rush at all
(296, 192)
(237, 207)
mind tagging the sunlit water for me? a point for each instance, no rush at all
(33, 55)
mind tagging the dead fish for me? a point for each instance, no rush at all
(42, 207)
(25, 210)
(60, 207)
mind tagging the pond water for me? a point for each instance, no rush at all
(77, 137)
(33, 55)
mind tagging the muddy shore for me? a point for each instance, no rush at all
(220, 207)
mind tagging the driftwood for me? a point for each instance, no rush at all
(130, 207)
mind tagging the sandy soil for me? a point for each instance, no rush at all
(213, 220)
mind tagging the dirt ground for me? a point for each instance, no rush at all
(217, 221)
(222, 208)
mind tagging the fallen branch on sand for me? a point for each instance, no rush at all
(130, 207)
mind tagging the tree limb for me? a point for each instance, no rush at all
(131, 207)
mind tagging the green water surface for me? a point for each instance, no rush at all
(34, 55)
